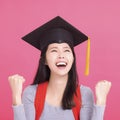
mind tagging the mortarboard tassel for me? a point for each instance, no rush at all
(87, 58)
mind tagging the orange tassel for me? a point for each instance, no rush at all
(87, 67)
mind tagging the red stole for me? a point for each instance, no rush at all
(40, 99)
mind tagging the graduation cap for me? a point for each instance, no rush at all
(57, 30)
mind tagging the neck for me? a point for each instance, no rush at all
(55, 90)
(58, 83)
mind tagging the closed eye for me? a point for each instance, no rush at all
(53, 50)
(67, 50)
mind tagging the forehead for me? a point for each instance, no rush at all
(57, 45)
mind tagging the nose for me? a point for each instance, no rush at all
(60, 56)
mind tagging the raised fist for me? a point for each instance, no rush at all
(16, 84)
(102, 89)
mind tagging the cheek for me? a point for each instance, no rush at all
(50, 60)
(71, 59)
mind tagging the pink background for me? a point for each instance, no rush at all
(100, 20)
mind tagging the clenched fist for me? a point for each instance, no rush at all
(16, 83)
(102, 89)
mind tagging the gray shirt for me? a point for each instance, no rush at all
(89, 111)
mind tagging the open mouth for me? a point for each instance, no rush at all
(61, 64)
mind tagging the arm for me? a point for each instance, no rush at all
(28, 101)
(102, 89)
(23, 107)
(16, 83)
(89, 110)
(26, 110)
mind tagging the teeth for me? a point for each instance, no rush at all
(61, 63)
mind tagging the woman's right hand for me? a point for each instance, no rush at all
(16, 84)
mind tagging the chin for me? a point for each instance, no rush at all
(62, 73)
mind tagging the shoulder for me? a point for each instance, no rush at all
(29, 93)
(30, 88)
(85, 90)
(86, 95)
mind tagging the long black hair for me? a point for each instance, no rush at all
(43, 74)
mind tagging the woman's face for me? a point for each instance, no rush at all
(59, 58)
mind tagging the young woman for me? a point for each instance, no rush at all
(55, 93)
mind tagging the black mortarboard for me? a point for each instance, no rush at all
(56, 30)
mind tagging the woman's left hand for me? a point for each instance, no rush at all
(102, 89)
